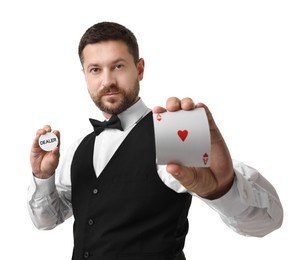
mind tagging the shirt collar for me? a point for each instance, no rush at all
(133, 114)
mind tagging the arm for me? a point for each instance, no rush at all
(244, 199)
(49, 194)
(48, 205)
(251, 207)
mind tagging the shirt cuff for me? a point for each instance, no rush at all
(44, 187)
(230, 204)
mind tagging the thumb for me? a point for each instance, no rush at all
(185, 175)
(174, 169)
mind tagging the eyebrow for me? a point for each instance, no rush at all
(113, 62)
(92, 65)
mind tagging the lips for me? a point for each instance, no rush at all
(111, 93)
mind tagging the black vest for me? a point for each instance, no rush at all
(127, 212)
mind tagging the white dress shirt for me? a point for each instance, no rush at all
(251, 207)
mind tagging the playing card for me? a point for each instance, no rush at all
(183, 137)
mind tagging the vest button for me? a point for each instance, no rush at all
(86, 254)
(95, 191)
(90, 222)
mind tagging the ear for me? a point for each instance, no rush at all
(140, 68)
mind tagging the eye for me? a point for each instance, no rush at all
(119, 66)
(94, 70)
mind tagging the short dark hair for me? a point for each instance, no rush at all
(106, 31)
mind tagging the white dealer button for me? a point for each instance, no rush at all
(48, 141)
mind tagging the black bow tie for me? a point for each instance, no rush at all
(98, 126)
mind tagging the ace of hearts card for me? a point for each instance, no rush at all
(183, 137)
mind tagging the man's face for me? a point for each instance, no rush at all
(112, 76)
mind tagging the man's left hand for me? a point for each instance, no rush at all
(215, 181)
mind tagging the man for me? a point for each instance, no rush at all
(126, 206)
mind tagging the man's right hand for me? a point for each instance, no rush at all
(44, 163)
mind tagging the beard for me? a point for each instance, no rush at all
(117, 104)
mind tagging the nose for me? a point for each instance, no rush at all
(108, 79)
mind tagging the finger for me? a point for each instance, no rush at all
(183, 174)
(35, 143)
(44, 130)
(159, 109)
(208, 113)
(187, 104)
(174, 169)
(173, 104)
(56, 151)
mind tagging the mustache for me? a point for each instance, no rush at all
(109, 89)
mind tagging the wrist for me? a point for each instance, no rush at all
(42, 175)
(220, 191)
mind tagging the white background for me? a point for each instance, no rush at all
(241, 58)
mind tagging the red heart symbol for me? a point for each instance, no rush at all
(183, 134)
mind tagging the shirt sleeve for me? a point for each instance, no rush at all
(49, 200)
(252, 206)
